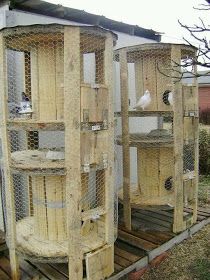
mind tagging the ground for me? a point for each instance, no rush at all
(189, 260)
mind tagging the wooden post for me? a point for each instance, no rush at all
(178, 141)
(72, 148)
(125, 137)
(109, 172)
(196, 139)
(11, 221)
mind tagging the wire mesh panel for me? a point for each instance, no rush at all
(59, 157)
(153, 127)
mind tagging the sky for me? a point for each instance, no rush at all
(159, 15)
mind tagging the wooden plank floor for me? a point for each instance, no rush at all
(151, 235)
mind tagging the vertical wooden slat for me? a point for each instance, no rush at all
(47, 78)
(178, 142)
(35, 82)
(50, 184)
(150, 82)
(109, 172)
(11, 221)
(125, 138)
(72, 148)
(60, 214)
(39, 199)
(196, 168)
(59, 80)
(139, 81)
(35, 205)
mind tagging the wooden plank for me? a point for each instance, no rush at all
(40, 214)
(50, 272)
(150, 82)
(139, 82)
(136, 266)
(61, 267)
(35, 82)
(153, 220)
(51, 190)
(5, 265)
(47, 78)
(11, 221)
(109, 140)
(117, 267)
(129, 248)
(100, 264)
(157, 215)
(31, 270)
(61, 211)
(122, 261)
(146, 236)
(136, 241)
(125, 137)
(163, 82)
(4, 276)
(59, 85)
(126, 255)
(72, 148)
(178, 141)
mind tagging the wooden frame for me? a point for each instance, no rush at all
(143, 57)
(64, 182)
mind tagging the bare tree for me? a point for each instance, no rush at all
(198, 33)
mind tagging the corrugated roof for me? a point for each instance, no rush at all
(59, 11)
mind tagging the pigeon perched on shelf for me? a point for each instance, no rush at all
(144, 101)
(170, 98)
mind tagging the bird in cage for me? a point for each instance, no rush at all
(144, 101)
(170, 98)
(25, 105)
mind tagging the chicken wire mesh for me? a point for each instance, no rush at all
(37, 139)
(146, 78)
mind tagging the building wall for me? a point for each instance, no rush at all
(204, 97)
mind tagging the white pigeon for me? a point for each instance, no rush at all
(144, 101)
(170, 98)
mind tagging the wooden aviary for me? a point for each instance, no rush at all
(57, 135)
(161, 124)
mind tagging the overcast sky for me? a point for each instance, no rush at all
(159, 15)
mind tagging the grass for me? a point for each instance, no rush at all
(200, 269)
(204, 191)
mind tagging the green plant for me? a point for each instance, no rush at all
(200, 269)
(204, 152)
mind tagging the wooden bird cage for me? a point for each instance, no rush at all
(163, 136)
(57, 135)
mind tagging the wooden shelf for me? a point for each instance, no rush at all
(138, 200)
(34, 125)
(138, 113)
(143, 140)
(44, 250)
(34, 160)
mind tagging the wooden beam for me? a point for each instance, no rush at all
(72, 148)
(10, 205)
(109, 172)
(178, 140)
(125, 137)
(196, 137)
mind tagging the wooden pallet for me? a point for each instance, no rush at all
(133, 249)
